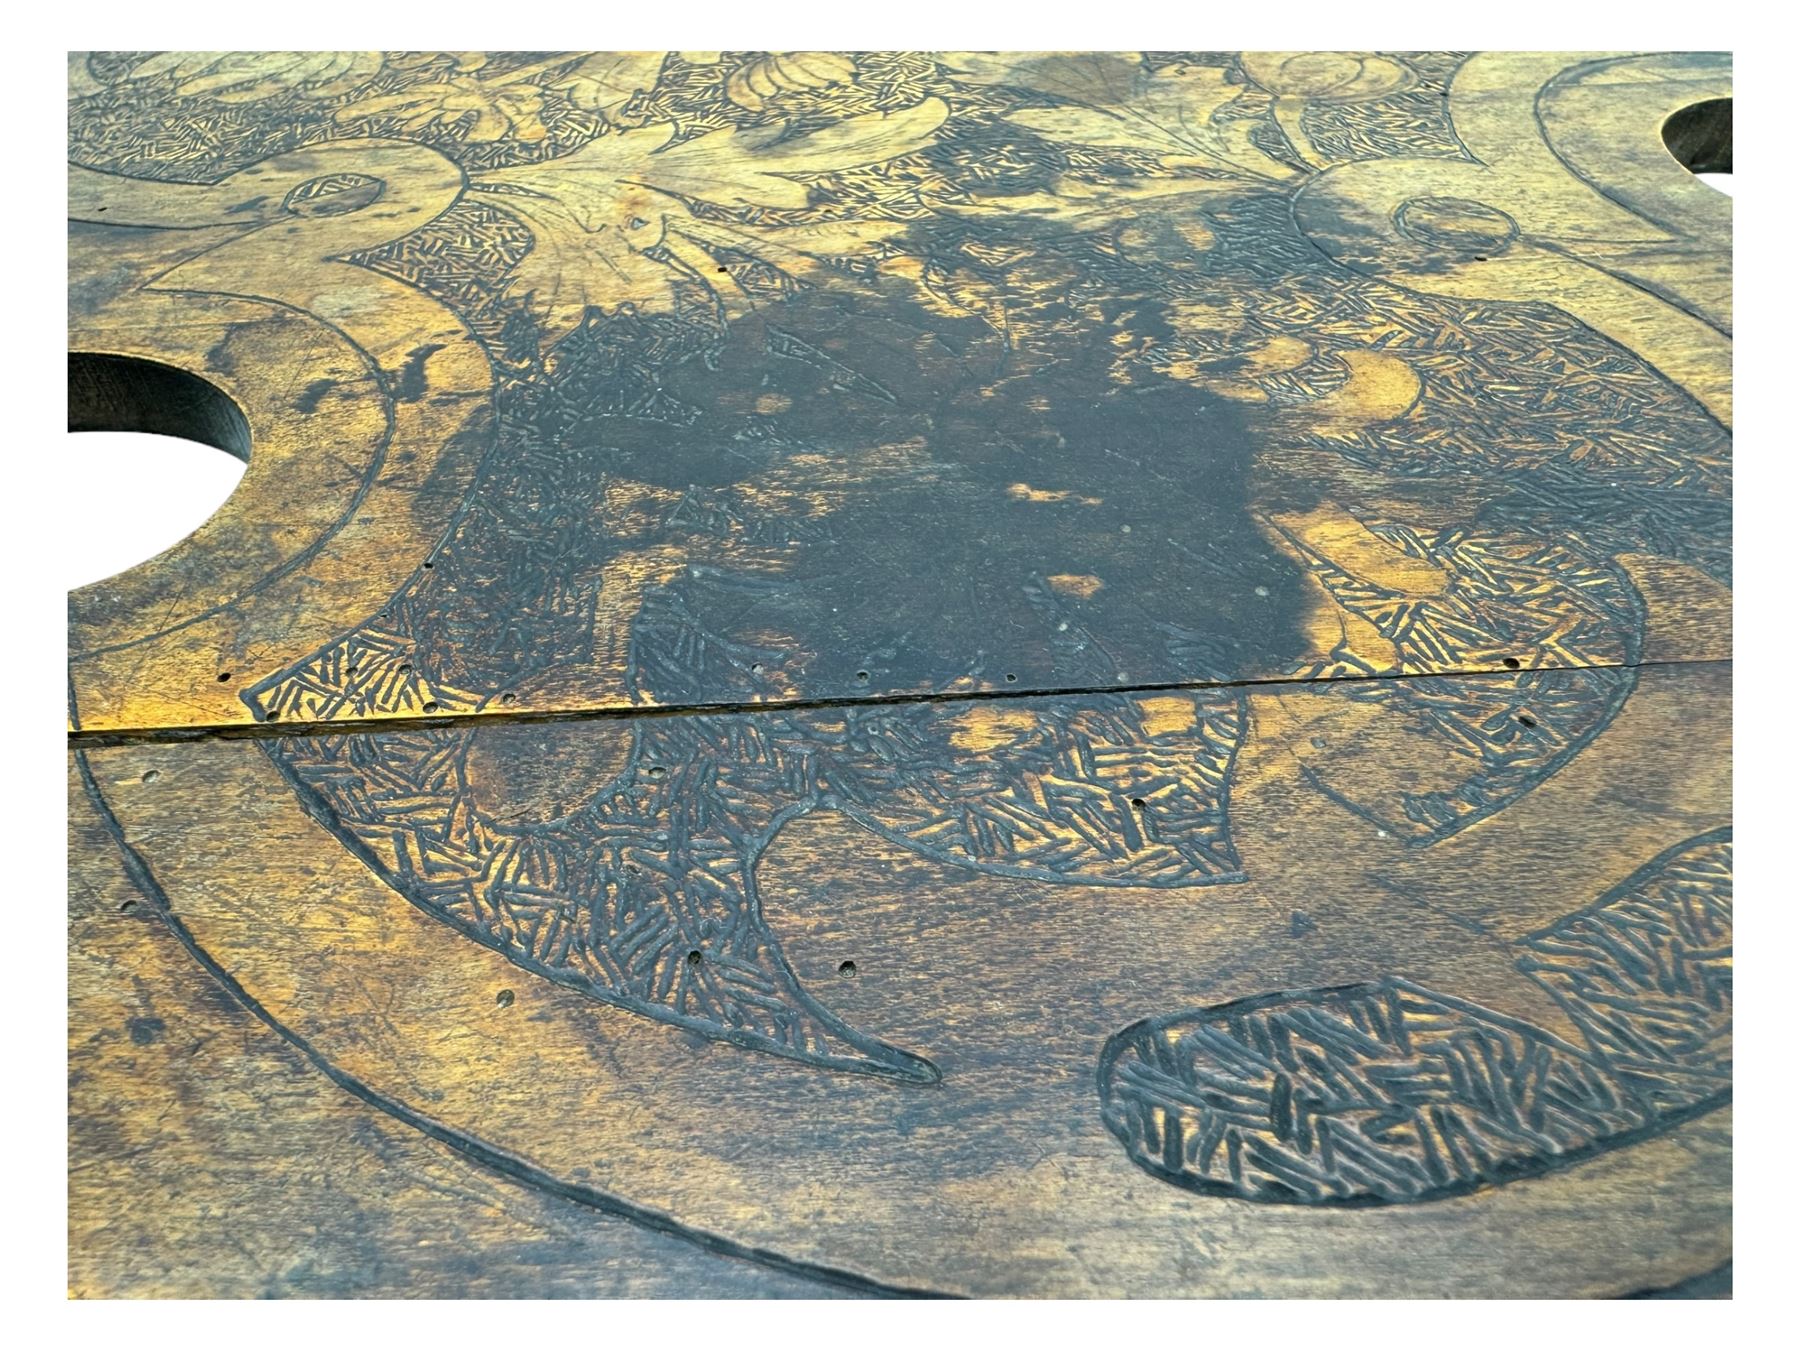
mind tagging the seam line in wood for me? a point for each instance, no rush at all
(85, 740)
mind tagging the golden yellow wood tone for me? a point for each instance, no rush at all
(794, 326)
(907, 673)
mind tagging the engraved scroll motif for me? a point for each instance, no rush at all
(885, 260)
(1389, 1093)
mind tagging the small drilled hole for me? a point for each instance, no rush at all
(224, 677)
(862, 677)
(846, 968)
(1137, 804)
(509, 699)
(656, 771)
(1511, 663)
(1527, 721)
(504, 999)
(756, 668)
(151, 775)
(428, 564)
(127, 907)
(406, 667)
(1012, 679)
(273, 715)
(693, 958)
(431, 707)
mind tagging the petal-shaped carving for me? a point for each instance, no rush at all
(1388, 1092)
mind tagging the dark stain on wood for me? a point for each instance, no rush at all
(1001, 674)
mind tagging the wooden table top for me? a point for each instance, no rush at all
(957, 673)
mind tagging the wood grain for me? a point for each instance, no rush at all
(251, 1175)
(1009, 988)
(1195, 371)
(959, 673)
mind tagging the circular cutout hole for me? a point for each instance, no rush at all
(1511, 663)
(509, 699)
(656, 771)
(846, 968)
(1012, 679)
(693, 958)
(504, 999)
(862, 677)
(1137, 804)
(224, 677)
(1699, 136)
(150, 776)
(147, 462)
(431, 707)
(127, 907)
(1527, 721)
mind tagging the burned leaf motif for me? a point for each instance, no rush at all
(612, 223)
(1388, 1092)
(1113, 100)
(752, 85)
(496, 111)
(605, 81)
(1154, 221)
(251, 77)
(496, 104)
(1297, 79)
(1328, 77)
